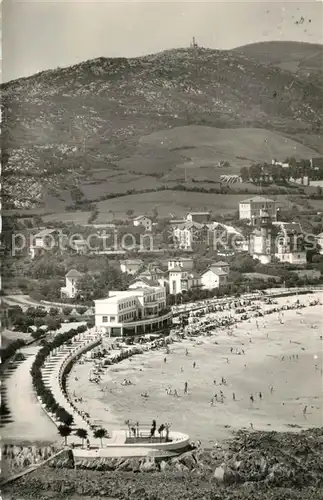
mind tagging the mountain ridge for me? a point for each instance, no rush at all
(66, 123)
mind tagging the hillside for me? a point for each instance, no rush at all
(86, 125)
(297, 57)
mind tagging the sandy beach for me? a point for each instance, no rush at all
(284, 352)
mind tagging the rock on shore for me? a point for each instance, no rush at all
(252, 465)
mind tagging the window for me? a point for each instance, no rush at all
(112, 318)
(104, 319)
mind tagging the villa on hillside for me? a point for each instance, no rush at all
(153, 276)
(221, 264)
(144, 221)
(201, 217)
(185, 263)
(181, 280)
(46, 239)
(71, 280)
(319, 241)
(290, 243)
(251, 208)
(131, 266)
(214, 277)
(283, 241)
(133, 312)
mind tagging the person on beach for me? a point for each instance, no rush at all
(165, 359)
(251, 398)
(185, 388)
(194, 364)
(214, 381)
(186, 352)
(260, 395)
(304, 410)
(233, 396)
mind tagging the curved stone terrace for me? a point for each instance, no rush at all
(53, 370)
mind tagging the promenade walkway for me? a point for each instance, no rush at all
(26, 420)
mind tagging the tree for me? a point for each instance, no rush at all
(82, 434)
(130, 212)
(53, 311)
(244, 174)
(100, 434)
(64, 431)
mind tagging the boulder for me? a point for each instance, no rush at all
(219, 473)
(163, 466)
(148, 464)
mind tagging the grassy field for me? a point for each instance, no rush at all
(175, 202)
(202, 146)
(75, 217)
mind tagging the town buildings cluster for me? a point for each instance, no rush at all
(142, 308)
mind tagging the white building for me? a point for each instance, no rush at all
(201, 217)
(289, 244)
(190, 234)
(46, 239)
(133, 312)
(181, 281)
(71, 280)
(251, 208)
(319, 241)
(221, 264)
(214, 277)
(144, 221)
(131, 266)
(185, 263)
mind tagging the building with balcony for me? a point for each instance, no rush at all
(251, 208)
(136, 311)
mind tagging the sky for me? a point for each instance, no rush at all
(41, 34)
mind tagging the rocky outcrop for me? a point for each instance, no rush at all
(270, 466)
(17, 458)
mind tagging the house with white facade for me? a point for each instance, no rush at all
(319, 241)
(44, 240)
(131, 266)
(214, 277)
(289, 244)
(251, 208)
(283, 241)
(71, 280)
(188, 235)
(221, 264)
(136, 311)
(201, 217)
(181, 280)
(143, 221)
